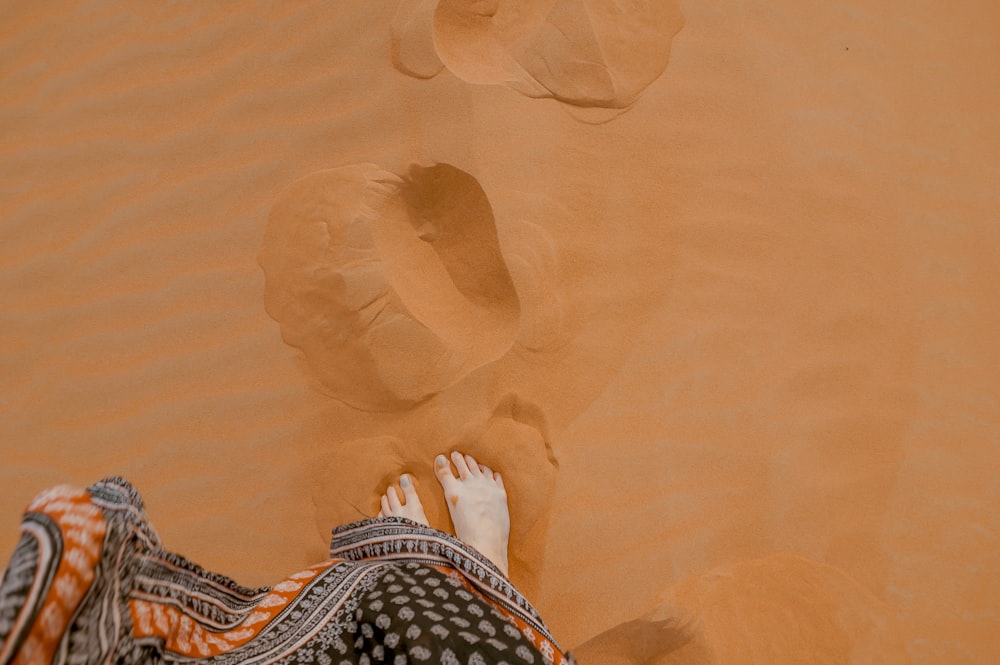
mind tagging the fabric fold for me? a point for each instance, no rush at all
(402, 539)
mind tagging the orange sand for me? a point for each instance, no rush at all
(722, 307)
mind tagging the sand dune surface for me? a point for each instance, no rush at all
(714, 284)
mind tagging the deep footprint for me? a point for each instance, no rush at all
(587, 53)
(393, 287)
(412, 42)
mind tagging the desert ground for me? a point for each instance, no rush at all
(715, 285)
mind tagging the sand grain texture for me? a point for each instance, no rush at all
(721, 303)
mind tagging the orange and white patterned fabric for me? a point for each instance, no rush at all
(90, 583)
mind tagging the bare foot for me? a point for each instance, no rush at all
(412, 509)
(477, 502)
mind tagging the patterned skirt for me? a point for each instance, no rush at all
(90, 583)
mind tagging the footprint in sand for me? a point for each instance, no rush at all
(586, 53)
(413, 51)
(395, 287)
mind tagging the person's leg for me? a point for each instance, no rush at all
(477, 502)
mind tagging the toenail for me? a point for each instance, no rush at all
(404, 480)
(441, 460)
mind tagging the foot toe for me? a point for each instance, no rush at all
(394, 502)
(409, 491)
(442, 469)
(444, 473)
(461, 465)
(473, 465)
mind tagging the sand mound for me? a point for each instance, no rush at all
(778, 609)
